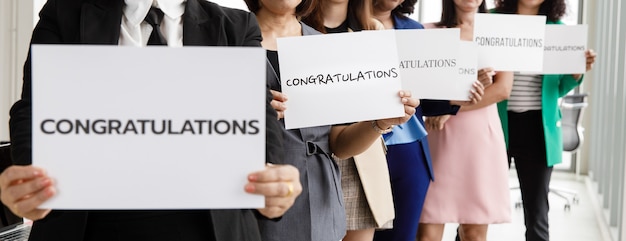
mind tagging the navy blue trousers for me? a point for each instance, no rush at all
(410, 179)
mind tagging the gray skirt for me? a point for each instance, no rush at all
(358, 212)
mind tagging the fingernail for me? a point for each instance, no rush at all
(249, 188)
(402, 93)
(253, 177)
(45, 182)
(405, 100)
(49, 192)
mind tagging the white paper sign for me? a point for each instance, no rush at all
(564, 51)
(510, 42)
(429, 62)
(467, 69)
(149, 128)
(340, 78)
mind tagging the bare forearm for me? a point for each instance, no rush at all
(348, 141)
(493, 94)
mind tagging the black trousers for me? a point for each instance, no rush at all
(527, 148)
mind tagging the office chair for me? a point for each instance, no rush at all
(5, 155)
(6, 216)
(572, 107)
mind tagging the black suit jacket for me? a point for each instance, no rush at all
(98, 22)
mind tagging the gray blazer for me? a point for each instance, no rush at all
(318, 213)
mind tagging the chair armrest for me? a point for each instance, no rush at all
(573, 105)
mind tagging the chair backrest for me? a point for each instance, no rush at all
(571, 115)
(7, 218)
(5, 155)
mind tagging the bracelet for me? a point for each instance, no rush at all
(381, 131)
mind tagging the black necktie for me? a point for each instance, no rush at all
(154, 18)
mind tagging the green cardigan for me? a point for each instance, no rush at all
(553, 87)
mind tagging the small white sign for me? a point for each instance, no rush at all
(340, 78)
(429, 62)
(149, 128)
(467, 69)
(510, 42)
(565, 48)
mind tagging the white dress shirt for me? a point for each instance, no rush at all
(136, 32)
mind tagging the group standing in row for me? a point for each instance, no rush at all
(451, 168)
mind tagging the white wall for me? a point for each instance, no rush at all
(5, 68)
(16, 23)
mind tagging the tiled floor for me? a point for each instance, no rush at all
(577, 224)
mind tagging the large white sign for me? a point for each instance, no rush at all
(340, 78)
(429, 63)
(564, 52)
(149, 128)
(510, 42)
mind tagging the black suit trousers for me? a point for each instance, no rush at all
(149, 225)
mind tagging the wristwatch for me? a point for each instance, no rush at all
(381, 131)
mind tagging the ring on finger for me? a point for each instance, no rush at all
(289, 189)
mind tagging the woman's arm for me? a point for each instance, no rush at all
(350, 140)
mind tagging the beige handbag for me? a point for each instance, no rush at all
(374, 173)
